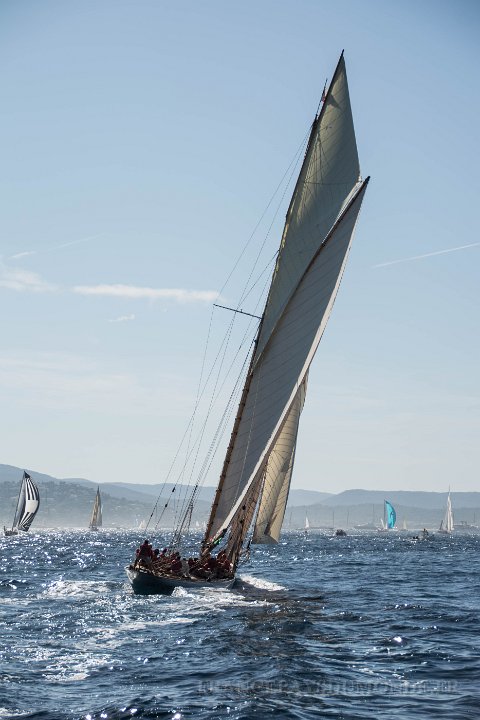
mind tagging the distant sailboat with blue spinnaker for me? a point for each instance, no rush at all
(389, 517)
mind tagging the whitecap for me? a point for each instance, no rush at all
(261, 584)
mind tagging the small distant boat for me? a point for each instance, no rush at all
(424, 535)
(96, 519)
(307, 525)
(404, 526)
(366, 526)
(340, 533)
(446, 526)
(389, 517)
(28, 504)
(464, 526)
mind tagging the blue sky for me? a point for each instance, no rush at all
(142, 142)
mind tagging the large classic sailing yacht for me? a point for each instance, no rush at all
(255, 480)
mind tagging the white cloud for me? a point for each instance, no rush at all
(122, 318)
(23, 280)
(134, 292)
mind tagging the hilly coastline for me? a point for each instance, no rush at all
(68, 502)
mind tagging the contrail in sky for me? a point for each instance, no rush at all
(19, 255)
(420, 257)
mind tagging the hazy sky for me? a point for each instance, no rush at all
(142, 142)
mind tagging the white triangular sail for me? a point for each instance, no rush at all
(96, 519)
(329, 173)
(278, 476)
(318, 231)
(448, 519)
(28, 504)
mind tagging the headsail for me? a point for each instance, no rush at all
(96, 519)
(319, 228)
(278, 475)
(28, 504)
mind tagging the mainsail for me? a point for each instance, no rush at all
(316, 240)
(390, 516)
(96, 519)
(27, 505)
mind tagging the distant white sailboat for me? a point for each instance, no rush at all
(28, 504)
(446, 526)
(96, 519)
(307, 525)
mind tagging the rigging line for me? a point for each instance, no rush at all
(267, 235)
(197, 400)
(214, 395)
(198, 443)
(264, 272)
(293, 162)
(215, 443)
(223, 421)
(222, 425)
(240, 312)
(246, 335)
(179, 449)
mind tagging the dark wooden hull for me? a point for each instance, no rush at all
(146, 582)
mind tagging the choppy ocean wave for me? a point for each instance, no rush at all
(364, 626)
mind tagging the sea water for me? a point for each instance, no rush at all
(364, 626)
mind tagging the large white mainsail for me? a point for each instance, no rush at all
(318, 231)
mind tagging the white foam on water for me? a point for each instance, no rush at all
(76, 588)
(261, 584)
(73, 668)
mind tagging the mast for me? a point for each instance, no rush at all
(233, 435)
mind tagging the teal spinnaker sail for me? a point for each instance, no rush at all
(390, 515)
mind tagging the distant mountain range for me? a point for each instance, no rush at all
(68, 502)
